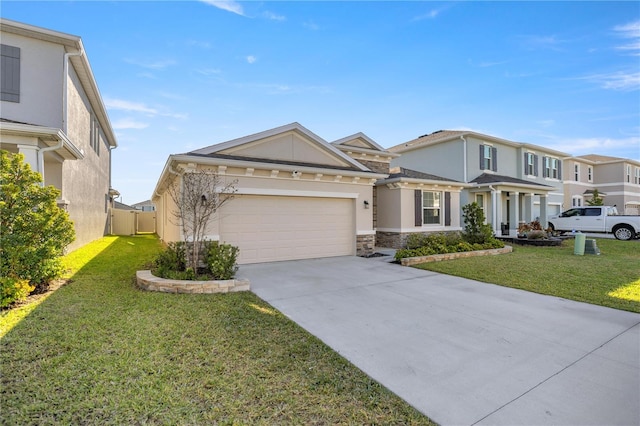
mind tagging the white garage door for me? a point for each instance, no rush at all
(272, 228)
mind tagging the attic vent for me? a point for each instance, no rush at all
(423, 136)
(437, 131)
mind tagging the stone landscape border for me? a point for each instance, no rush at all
(408, 261)
(147, 281)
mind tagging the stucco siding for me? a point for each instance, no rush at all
(267, 183)
(389, 207)
(444, 159)
(289, 146)
(41, 72)
(85, 183)
(610, 173)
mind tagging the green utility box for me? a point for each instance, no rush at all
(578, 246)
(590, 247)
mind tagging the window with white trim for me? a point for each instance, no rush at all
(590, 174)
(577, 200)
(576, 172)
(431, 208)
(552, 168)
(636, 178)
(488, 158)
(628, 174)
(530, 164)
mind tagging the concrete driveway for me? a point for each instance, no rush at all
(464, 352)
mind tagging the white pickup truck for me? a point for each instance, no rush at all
(597, 219)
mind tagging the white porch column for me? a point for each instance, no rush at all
(496, 206)
(30, 153)
(543, 211)
(528, 208)
(514, 213)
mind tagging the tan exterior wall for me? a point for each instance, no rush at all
(396, 209)
(390, 206)
(283, 184)
(290, 146)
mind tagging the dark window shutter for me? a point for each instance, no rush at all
(535, 165)
(481, 157)
(447, 209)
(544, 167)
(494, 159)
(417, 196)
(526, 163)
(10, 72)
(559, 169)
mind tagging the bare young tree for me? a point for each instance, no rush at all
(197, 194)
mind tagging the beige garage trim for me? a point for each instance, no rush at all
(273, 228)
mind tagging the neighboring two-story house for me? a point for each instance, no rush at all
(513, 182)
(616, 179)
(51, 112)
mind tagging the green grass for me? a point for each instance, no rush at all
(100, 351)
(611, 279)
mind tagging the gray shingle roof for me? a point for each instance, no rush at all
(413, 174)
(486, 178)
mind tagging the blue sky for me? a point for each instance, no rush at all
(176, 76)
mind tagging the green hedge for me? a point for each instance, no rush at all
(426, 245)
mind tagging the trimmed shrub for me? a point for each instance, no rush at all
(34, 231)
(13, 290)
(171, 261)
(476, 231)
(221, 260)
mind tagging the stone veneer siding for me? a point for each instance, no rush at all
(365, 245)
(398, 240)
(375, 166)
(150, 282)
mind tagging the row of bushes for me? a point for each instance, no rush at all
(219, 262)
(477, 235)
(426, 245)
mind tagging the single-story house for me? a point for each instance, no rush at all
(297, 197)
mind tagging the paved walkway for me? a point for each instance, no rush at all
(463, 352)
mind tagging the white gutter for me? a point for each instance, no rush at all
(41, 152)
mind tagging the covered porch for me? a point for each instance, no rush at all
(509, 202)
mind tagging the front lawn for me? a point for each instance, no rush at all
(611, 279)
(100, 351)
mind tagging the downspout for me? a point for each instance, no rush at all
(41, 152)
(113, 200)
(464, 156)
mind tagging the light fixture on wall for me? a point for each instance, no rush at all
(366, 204)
